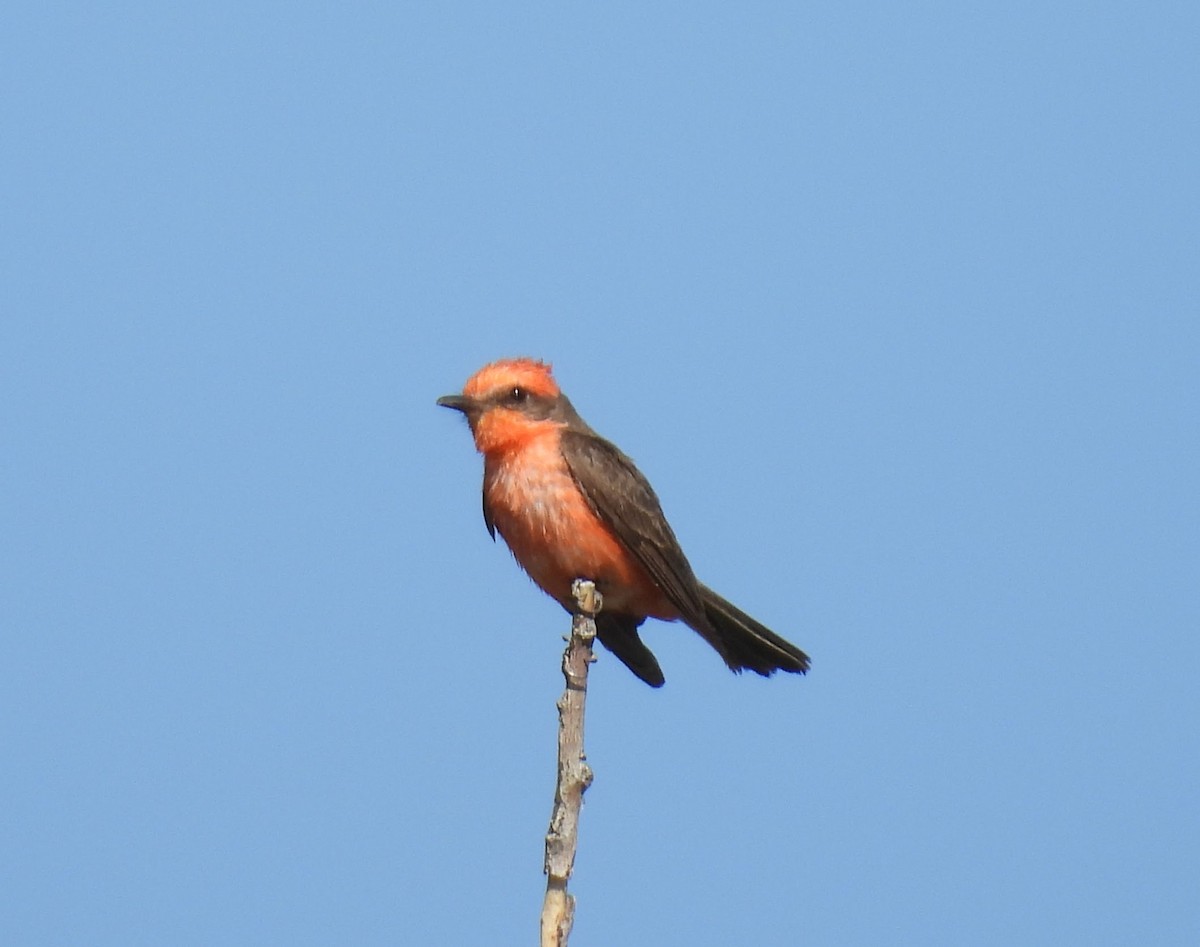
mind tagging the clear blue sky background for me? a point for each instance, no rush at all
(897, 305)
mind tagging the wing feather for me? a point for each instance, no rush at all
(626, 503)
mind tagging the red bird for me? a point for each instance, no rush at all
(571, 506)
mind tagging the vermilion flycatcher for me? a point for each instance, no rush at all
(571, 506)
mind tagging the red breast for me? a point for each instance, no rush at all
(553, 533)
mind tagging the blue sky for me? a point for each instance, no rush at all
(897, 306)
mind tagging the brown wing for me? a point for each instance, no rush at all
(487, 518)
(626, 503)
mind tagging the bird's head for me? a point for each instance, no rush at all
(509, 402)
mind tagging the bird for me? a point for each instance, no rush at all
(570, 505)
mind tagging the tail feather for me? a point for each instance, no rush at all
(744, 643)
(619, 634)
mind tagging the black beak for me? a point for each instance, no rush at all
(459, 403)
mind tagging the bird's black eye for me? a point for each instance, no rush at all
(516, 395)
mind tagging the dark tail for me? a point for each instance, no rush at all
(619, 633)
(744, 643)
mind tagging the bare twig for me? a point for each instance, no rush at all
(574, 774)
